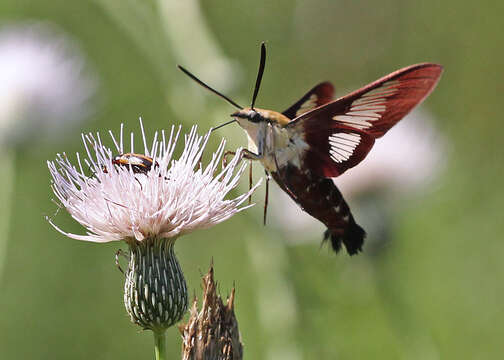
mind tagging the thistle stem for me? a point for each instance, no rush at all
(6, 190)
(160, 344)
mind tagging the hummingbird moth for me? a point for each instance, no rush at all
(319, 138)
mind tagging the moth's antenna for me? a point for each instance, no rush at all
(221, 125)
(262, 62)
(209, 88)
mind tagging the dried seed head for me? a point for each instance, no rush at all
(212, 333)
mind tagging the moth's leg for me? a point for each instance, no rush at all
(245, 154)
(224, 158)
(251, 156)
(250, 181)
(266, 196)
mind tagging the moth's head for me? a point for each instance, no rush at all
(248, 117)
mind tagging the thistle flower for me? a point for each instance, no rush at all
(148, 210)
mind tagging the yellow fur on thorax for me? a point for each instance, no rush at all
(274, 116)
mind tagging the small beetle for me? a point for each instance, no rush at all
(140, 164)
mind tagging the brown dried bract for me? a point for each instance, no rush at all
(212, 333)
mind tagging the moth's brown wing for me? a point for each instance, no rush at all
(341, 133)
(319, 95)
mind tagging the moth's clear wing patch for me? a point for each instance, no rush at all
(335, 149)
(342, 132)
(319, 95)
(342, 145)
(367, 110)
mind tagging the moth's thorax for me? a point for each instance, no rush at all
(268, 137)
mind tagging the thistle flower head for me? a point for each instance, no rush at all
(175, 197)
(148, 200)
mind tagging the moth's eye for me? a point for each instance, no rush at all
(255, 117)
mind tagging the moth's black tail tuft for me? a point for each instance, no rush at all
(352, 238)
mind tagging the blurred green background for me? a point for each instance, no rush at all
(433, 292)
